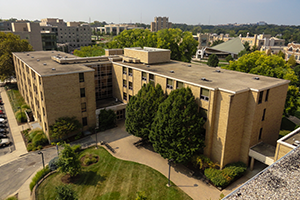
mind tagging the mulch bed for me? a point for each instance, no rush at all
(86, 156)
(67, 179)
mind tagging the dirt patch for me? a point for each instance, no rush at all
(90, 156)
(68, 179)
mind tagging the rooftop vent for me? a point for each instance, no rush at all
(219, 71)
(204, 79)
(189, 65)
(32, 57)
(148, 65)
(38, 60)
(297, 142)
(45, 64)
(53, 69)
(172, 71)
(28, 54)
(66, 56)
(58, 54)
(256, 78)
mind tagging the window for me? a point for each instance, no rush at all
(260, 133)
(83, 107)
(267, 95)
(40, 80)
(263, 117)
(130, 72)
(82, 92)
(81, 77)
(169, 84)
(179, 85)
(203, 113)
(84, 121)
(124, 83)
(124, 70)
(42, 96)
(261, 94)
(43, 111)
(204, 94)
(130, 86)
(45, 126)
(144, 76)
(151, 77)
(124, 96)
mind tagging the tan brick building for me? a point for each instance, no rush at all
(241, 109)
(293, 49)
(160, 23)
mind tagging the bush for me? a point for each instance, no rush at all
(53, 163)
(65, 192)
(34, 132)
(216, 177)
(12, 198)
(77, 148)
(39, 175)
(90, 159)
(221, 178)
(21, 117)
(203, 162)
(229, 58)
(213, 60)
(39, 139)
(39, 147)
(30, 147)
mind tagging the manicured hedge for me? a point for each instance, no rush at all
(222, 178)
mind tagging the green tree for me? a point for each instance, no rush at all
(107, 119)
(229, 58)
(65, 192)
(177, 131)
(216, 42)
(68, 161)
(64, 126)
(89, 51)
(141, 110)
(281, 54)
(10, 43)
(273, 66)
(292, 61)
(297, 72)
(213, 60)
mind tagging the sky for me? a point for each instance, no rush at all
(208, 12)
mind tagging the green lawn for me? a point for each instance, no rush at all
(112, 178)
(15, 98)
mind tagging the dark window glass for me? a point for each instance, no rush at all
(84, 121)
(261, 94)
(82, 92)
(81, 77)
(260, 133)
(204, 94)
(263, 117)
(83, 107)
(267, 95)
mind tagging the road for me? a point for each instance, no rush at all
(15, 173)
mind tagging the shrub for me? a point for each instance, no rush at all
(25, 107)
(12, 198)
(39, 147)
(65, 192)
(76, 148)
(90, 159)
(203, 162)
(213, 60)
(21, 117)
(53, 163)
(39, 139)
(229, 58)
(30, 147)
(33, 133)
(216, 177)
(38, 176)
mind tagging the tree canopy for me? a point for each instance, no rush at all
(216, 42)
(68, 161)
(141, 110)
(64, 126)
(89, 51)
(213, 60)
(273, 66)
(182, 44)
(177, 131)
(10, 43)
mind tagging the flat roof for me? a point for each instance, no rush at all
(280, 180)
(45, 64)
(292, 139)
(231, 81)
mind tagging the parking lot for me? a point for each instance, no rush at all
(5, 132)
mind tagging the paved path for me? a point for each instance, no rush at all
(15, 129)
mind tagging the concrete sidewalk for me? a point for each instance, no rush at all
(15, 131)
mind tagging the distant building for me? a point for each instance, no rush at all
(74, 34)
(206, 39)
(114, 29)
(262, 40)
(5, 25)
(49, 40)
(160, 23)
(293, 49)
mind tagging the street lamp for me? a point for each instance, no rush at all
(42, 158)
(169, 162)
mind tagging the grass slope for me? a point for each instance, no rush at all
(112, 178)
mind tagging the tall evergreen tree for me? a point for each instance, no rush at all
(177, 131)
(141, 110)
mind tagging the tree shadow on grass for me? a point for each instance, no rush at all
(90, 178)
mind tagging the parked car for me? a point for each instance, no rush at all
(2, 135)
(2, 120)
(3, 125)
(4, 142)
(1, 111)
(3, 116)
(3, 130)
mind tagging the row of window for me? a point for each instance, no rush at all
(261, 94)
